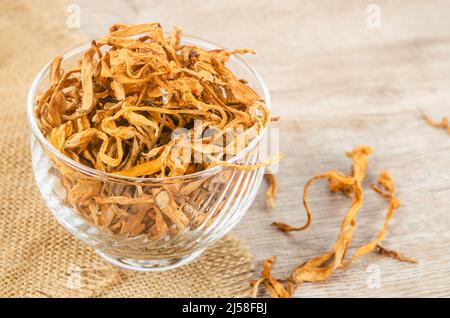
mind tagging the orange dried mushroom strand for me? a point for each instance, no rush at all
(444, 123)
(394, 254)
(321, 267)
(271, 192)
(277, 289)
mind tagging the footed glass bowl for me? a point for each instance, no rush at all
(145, 224)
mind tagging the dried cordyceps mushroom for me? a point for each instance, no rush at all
(394, 254)
(321, 267)
(271, 192)
(277, 289)
(337, 181)
(444, 123)
(140, 104)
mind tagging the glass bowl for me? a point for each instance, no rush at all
(158, 231)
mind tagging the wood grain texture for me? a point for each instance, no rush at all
(337, 83)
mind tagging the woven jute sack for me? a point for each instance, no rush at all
(38, 258)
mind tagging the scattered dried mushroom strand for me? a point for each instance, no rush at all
(116, 111)
(321, 267)
(444, 123)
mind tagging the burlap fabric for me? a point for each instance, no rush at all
(38, 258)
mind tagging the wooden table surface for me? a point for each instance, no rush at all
(337, 82)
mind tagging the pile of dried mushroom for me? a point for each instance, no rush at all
(121, 111)
(117, 110)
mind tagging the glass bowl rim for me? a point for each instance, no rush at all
(97, 173)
